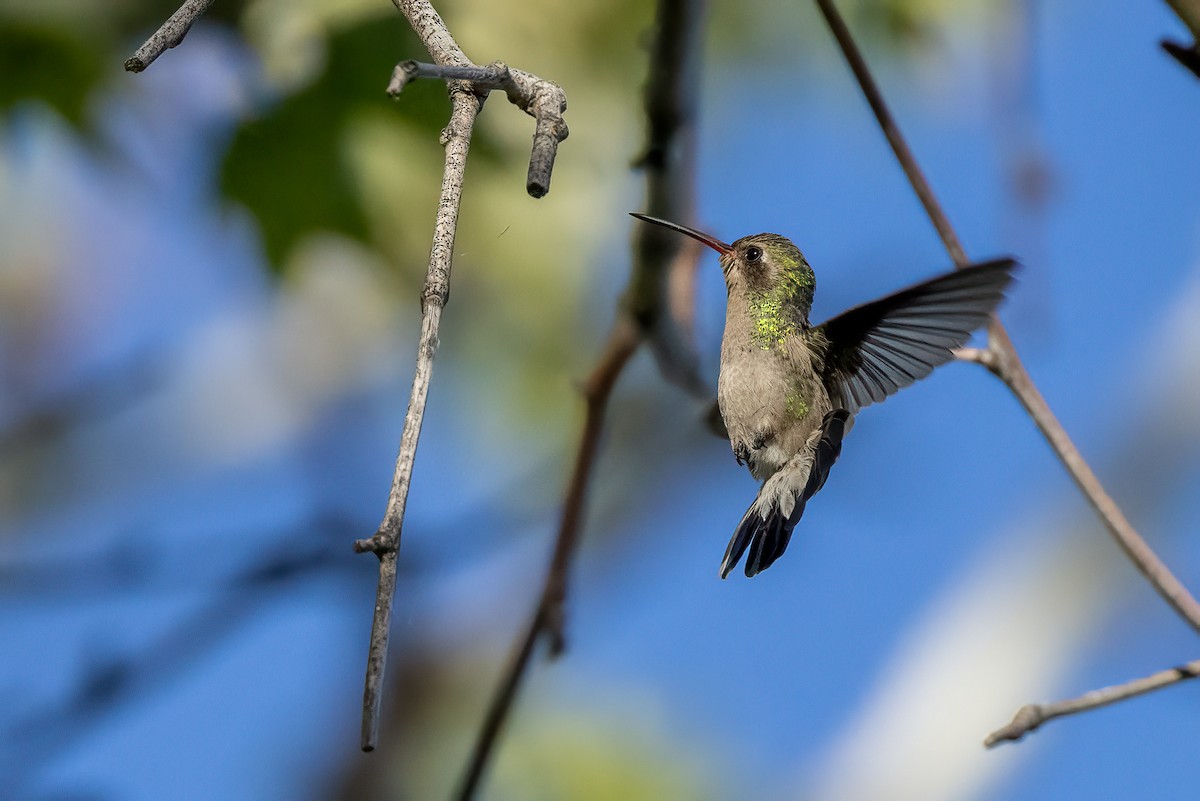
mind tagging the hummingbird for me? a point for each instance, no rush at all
(788, 390)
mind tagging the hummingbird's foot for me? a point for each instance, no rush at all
(744, 452)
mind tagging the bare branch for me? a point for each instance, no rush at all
(982, 356)
(466, 102)
(434, 34)
(543, 100)
(169, 35)
(386, 542)
(1000, 357)
(904, 154)
(1007, 366)
(1031, 716)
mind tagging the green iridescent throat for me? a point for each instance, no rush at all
(779, 312)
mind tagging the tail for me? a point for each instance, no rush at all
(768, 523)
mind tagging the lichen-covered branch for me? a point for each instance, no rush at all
(169, 34)
(1031, 716)
(1000, 356)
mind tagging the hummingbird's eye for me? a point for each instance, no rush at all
(753, 254)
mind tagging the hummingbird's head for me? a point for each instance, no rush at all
(768, 263)
(759, 265)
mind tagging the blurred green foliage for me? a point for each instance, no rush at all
(50, 63)
(288, 163)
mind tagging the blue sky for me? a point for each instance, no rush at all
(942, 491)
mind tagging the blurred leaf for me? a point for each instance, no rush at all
(49, 62)
(902, 21)
(290, 165)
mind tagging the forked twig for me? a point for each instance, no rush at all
(541, 99)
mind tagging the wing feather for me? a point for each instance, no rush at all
(875, 349)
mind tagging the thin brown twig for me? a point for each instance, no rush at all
(1030, 716)
(1006, 365)
(547, 616)
(168, 35)
(650, 313)
(908, 162)
(466, 103)
(1001, 358)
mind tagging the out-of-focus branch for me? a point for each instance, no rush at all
(1030, 716)
(547, 616)
(655, 309)
(169, 34)
(114, 681)
(1000, 356)
(661, 290)
(466, 103)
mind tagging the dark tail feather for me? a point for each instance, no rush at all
(772, 540)
(741, 538)
(829, 448)
(768, 537)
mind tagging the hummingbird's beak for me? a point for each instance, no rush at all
(700, 236)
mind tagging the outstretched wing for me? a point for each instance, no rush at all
(877, 348)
